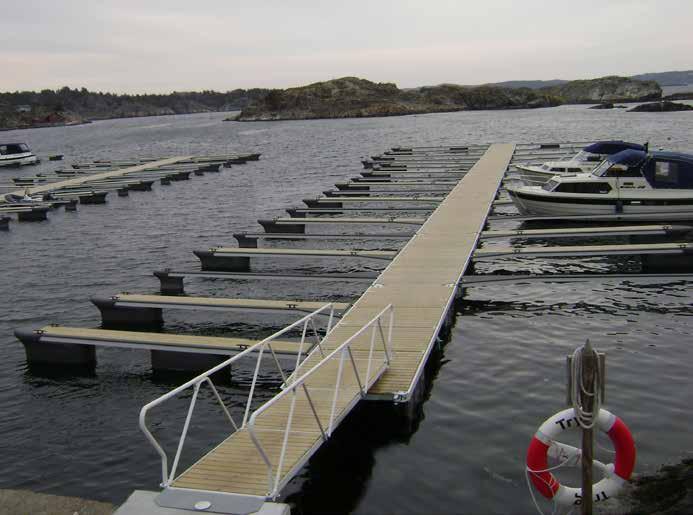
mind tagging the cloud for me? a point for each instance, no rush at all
(138, 46)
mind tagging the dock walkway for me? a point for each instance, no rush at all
(419, 286)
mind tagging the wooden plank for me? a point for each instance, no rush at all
(53, 333)
(242, 252)
(347, 220)
(130, 300)
(588, 250)
(621, 230)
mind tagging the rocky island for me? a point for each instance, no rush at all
(661, 107)
(351, 97)
(348, 97)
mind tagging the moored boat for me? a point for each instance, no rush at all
(16, 154)
(647, 186)
(583, 162)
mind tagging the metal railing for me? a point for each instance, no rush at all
(195, 383)
(375, 365)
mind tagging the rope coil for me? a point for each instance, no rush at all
(586, 419)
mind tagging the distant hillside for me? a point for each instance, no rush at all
(65, 106)
(531, 84)
(661, 78)
(351, 97)
(668, 78)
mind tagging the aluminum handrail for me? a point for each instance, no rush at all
(197, 381)
(290, 389)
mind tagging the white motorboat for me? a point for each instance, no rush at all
(583, 162)
(654, 186)
(16, 154)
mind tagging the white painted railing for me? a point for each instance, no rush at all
(377, 362)
(259, 348)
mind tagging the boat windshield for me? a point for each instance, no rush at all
(587, 157)
(603, 167)
(549, 185)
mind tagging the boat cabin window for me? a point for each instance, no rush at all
(584, 187)
(619, 170)
(13, 148)
(574, 170)
(558, 169)
(549, 185)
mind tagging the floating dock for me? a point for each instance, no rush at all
(378, 349)
(91, 184)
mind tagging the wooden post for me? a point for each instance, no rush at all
(589, 365)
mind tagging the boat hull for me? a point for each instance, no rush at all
(637, 209)
(18, 160)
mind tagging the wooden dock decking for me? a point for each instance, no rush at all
(420, 283)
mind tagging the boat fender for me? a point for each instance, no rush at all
(544, 443)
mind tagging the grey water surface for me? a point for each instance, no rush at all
(499, 375)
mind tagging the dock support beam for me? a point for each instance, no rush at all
(316, 203)
(172, 361)
(170, 285)
(35, 215)
(51, 353)
(272, 226)
(668, 262)
(112, 315)
(245, 242)
(210, 261)
(4, 223)
(93, 198)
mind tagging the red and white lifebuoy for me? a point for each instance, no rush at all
(545, 443)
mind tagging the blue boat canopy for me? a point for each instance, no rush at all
(628, 157)
(669, 170)
(612, 147)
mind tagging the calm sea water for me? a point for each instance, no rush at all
(499, 376)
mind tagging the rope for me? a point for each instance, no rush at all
(536, 473)
(585, 419)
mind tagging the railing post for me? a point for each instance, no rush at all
(370, 356)
(221, 402)
(252, 386)
(331, 319)
(318, 341)
(184, 433)
(336, 393)
(287, 431)
(356, 372)
(300, 347)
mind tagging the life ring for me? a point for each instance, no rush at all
(544, 444)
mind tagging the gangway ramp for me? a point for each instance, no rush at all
(270, 443)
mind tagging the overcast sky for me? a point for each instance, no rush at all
(149, 46)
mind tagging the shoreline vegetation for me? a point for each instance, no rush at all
(347, 97)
